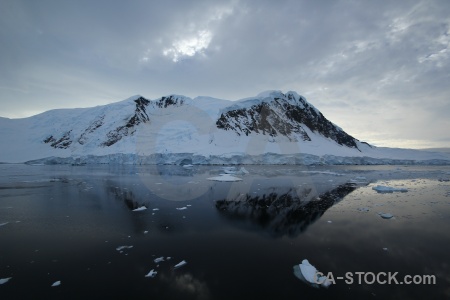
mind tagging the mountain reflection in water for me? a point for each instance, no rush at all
(282, 214)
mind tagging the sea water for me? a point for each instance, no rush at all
(169, 232)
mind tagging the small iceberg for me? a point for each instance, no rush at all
(385, 215)
(159, 259)
(388, 189)
(309, 274)
(120, 248)
(4, 280)
(152, 273)
(140, 208)
(181, 208)
(180, 264)
(56, 283)
(225, 178)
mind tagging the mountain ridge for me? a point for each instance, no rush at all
(271, 124)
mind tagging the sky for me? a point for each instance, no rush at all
(378, 69)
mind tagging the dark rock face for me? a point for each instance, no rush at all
(62, 143)
(260, 118)
(140, 116)
(286, 115)
(94, 125)
(172, 100)
(112, 137)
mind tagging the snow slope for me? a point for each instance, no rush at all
(270, 128)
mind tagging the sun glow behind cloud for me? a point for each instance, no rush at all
(188, 47)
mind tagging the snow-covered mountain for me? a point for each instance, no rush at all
(271, 128)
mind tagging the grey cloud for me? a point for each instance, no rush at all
(357, 61)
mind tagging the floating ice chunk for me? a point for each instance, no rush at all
(180, 264)
(225, 177)
(4, 280)
(159, 259)
(363, 209)
(56, 283)
(140, 208)
(181, 208)
(120, 248)
(308, 274)
(152, 273)
(146, 231)
(388, 189)
(308, 271)
(155, 209)
(2, 224)
(385, 215)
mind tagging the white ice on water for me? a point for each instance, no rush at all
(56, 283)
(181, 208)
(140, 208)
(2, 224)
(180, 264)
(225, 177)
(159, 259)
(120, 248)
(385, 215)
(388, 189)
(4, 280)
(308, 273)
(152, 273)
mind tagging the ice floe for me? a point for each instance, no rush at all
(181, 208)
(56, 283)
(152, 273)
(120, 248)
(225, 177)
(309, 274)
(2, 224)
(4, 280)
(385, 215)
(180, 264)
(140, 208)
(159, 259)
(388, 189)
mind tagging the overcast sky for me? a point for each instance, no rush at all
(379, 69)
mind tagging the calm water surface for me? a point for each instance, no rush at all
(240, 240)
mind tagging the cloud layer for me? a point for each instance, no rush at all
(379, 69)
